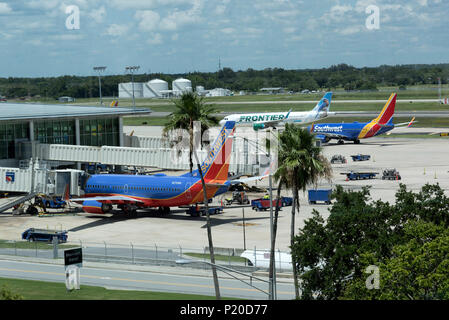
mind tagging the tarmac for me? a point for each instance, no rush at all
(419, 161)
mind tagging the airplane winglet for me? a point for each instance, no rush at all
(411, 122)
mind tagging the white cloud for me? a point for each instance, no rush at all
(155, 39)
(148, 4)
(98, 15)
(5, 8)
(228, 30)
(148, 20)
(116, 30)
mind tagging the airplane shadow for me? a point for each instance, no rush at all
(179, 215)
(381, 144)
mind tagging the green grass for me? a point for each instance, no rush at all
(41, 290)
(32, 245)
(218, 257)
(145, 121)
(423, 122)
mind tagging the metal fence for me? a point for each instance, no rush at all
(137, 254)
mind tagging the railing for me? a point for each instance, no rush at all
(131, 253)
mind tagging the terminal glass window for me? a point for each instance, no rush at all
(9, 134)
(55, 132)
(99, 132)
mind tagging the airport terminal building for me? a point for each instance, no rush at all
(23, 126)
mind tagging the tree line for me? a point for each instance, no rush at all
(336, 76)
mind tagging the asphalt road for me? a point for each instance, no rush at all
(178, 280)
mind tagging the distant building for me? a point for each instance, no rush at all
(125, 90)
(154, 88)
(273, 90)
(219, 92)
(181, 85)
(66, 99)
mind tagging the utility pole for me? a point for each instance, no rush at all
(100, 70)
(132, 69)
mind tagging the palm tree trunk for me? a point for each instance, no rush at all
(209, 233)
(275, 225)
(292, 236)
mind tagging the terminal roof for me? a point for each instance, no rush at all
(29, 111)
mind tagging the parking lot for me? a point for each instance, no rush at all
(419, 161)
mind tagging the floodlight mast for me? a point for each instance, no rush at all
(100, 70)
(132, 69)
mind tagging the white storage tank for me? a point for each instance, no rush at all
(181, 85)
(154, 88)
(125, 90)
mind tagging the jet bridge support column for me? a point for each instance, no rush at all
(78, 139)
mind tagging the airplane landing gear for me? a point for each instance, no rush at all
(163, 210)
(341, 142)
(130, 209)
(357, 141)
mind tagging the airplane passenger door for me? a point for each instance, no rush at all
(125, 188)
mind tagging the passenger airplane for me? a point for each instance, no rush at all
(272, 119)
(131, 192)
(356, 131)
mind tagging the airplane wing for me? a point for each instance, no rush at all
(331, 135)
(107, 198)
(245, 180)
(408, 124)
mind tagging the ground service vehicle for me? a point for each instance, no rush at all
(359, 175)
(360, 157)
(338, 158)
(196, 211)
(391, 174)
(264, 204)
(44, 235)
(238, 196)
(320, 195)
(286, 201)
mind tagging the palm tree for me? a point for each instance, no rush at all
(190, 108)
(301, 163)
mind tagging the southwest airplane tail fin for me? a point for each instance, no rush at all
(324, 104)
(386, 115)
(216, 164)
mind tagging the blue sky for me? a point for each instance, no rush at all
(177, 36)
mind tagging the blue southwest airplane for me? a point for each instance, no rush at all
(356, 131)
(131, 192)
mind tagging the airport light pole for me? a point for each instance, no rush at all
(100, 70)
(132, 69)
(272, 279)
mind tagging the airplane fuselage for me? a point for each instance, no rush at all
(152, 191)
(351, 131)
(250, 119)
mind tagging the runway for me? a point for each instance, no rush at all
(350, 114)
